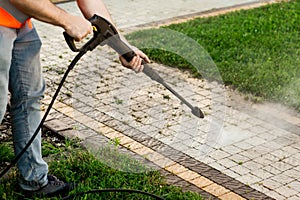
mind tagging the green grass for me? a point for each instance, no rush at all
(256, 51)
(6, 152)
(71, 163)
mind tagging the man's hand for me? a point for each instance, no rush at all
(136, 64)
(78, 27)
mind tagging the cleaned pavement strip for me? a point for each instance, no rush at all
(239, 151)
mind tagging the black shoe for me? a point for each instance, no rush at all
(55, 187)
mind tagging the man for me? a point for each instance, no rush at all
(20, 74)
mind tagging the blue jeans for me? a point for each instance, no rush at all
(20, 74)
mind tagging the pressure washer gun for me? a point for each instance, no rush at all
(106, 34)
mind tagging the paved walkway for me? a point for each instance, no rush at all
(239, 151)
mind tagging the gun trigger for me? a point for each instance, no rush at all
(95, 28)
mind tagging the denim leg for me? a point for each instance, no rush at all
(27, 87)
(7, 37)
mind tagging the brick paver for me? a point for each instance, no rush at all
(240, 150)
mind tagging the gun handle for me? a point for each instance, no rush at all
(71, 42)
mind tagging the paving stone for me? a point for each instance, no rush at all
(231, 173)
(256, 141)
(82, 135)
(191, 163)
(201, 168)
(103, 117)
(283, 141)
(255, 122)
(176, 168)
(151, 142)
(175, 155)
(271, 184)
(265, 159)
(245, 125)
(231, 196)
(164, 162)
(143, 151)
(249, 179)
(245, 191)
(282, 166)
(134, 145)
(260, 187)
(231, 149)
(258, 129)
(294, 138)
(272, 170)
(243, 145)
(250, 153)
(238, 158)
(295, 197)
(294, 160)
(111, 123)
(240, 169)
(233, 135)
(58, 125)
(193, 152)
(160, 147)
(116, 135)
(188, 175)
(132, 132)
(216, 190)
(297, 168)
(294, 129)
(261, 150)
(261, 173)
(283, 179)
(201, 182)
(205, 159)
(220, 178)
(295, 185)
(154, 157)
(105, 130)
(219, 154)
(141, 137)
(268, 136)
(286, 191)
(233, 184)
(252, 165)
(218, 166)
(254, 194)
(275, 195)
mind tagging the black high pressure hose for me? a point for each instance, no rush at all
(15, 160)
(104, 33)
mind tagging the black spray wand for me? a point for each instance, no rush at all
(106, 33)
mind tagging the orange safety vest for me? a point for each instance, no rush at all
(7, 20)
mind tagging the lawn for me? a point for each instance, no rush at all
(256, 51)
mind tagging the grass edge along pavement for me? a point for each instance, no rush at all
(70, 162)
(256, 50)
